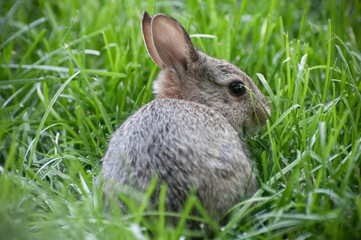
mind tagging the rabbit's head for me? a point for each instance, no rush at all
(191, 75)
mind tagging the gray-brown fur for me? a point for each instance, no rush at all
(189, 137)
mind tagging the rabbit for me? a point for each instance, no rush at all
(190, 136)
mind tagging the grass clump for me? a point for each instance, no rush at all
(72, 71)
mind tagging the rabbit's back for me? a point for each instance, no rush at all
(186, 145)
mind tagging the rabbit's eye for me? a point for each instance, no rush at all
(237, 88)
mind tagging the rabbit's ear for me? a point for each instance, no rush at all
(147, 37)
(172, 43)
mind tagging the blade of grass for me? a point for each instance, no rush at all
(23, 30)
(45, 116)
(96, 99)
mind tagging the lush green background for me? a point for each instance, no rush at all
(72, 71)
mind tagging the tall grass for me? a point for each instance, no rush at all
(72, 71)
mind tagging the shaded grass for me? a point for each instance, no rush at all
(72, 71)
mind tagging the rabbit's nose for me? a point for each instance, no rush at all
(261, 114)
(268, 110)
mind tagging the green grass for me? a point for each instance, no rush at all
(72, 71)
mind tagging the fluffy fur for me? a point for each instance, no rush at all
(189, 137)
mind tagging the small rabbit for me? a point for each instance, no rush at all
(189, 136)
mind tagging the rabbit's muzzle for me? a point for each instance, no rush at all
(261, 114)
